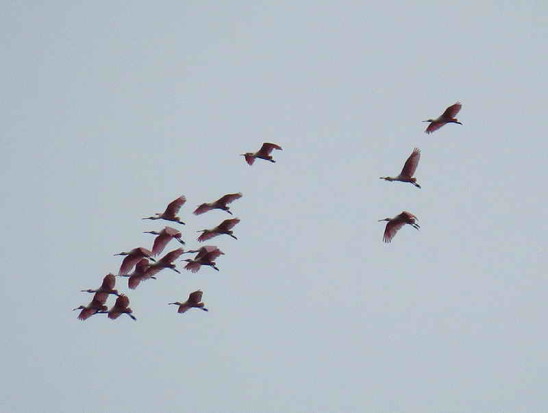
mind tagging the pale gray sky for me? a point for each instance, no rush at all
(112, 109)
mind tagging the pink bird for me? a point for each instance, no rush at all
(170, 214)
(139, 274)
(163, 238)
(394, 224)
(221, 203)
(96, 305)
(206, 256)
(263, 153)
(194, 301)
(132, 257)
(406, 174)
(165, 262)
(121, 306)
(446, 117)
(224, 227)
(106, 287)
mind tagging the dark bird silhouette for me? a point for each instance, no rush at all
(163, 238)
(446, 117)
(224, 227)
(395, 224)
(263, 153)
(221, 203)
(194, 301)
(170, 214)
(406, 174)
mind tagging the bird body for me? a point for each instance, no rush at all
(165, 262)
(221, 203)
(96, 305)
(163, 238)
(139, 274)
(121, 306)
(406, 175)
(205, 256)
(170, 214)
(193, 301)
(448, 116)
(263, 153)
(106, 287)
(224, 227)
(396, 223)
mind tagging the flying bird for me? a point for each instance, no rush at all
(446, 117)
(224, 227)
(194, 301)
(139, 274)
(170, 214)
(221, 203)
(406, 174)
(165, 262)
(106, 287)
(96, 305)
(263, 153)
(121, 306)
(205, 256)
(132, 257)
(394, 224)
(163, 238)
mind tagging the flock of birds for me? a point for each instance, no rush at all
(145, 266)
(406, 175)
(141, 260)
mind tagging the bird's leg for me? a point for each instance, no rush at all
(232, 235)
(213, 265)
(180, 241)
(132, 316)
(416, 184)
(175, 269)
(203, 308)
(180, 222)
(228, 210)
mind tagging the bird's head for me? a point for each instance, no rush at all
(385, 219)
(151, 232)
(79, 308)
(386, 178)
(428, 120)
(122, 253)
(176, 303)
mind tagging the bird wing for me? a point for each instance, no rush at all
(207, 235)
(452, 111)
(160, 243)
(407, 217)
(202, 209)
(195, 297)
(141, 266)
(392, 227)
(143, 252)
(411, 164)
(134, 281)
(108, 282)
(174, 206)
(193, 266)
(172, 232)
(99, 299)
(228, 198)
(268, 147)
(183, 308)
(434, 126)
(128, 263)
(228, 224)
(172, 255)
(209, 253)
(122, 302)
(249, 158)
(86, 313)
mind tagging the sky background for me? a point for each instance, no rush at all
(110, 110)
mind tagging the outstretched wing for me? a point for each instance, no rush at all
(208, 252)
(228, 224)
(452, 111)
(411, 164)
(202, 209)
(195, 297)
(128, 263)
(174, 206)
(172, 255)
(207, 235)
(249, 158)
(391, 229)
(268, 147)
(193, 266)
(108, 282)
(160, 243)
(434, 126)
(228, 198)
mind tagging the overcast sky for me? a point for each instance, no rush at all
(110, 110)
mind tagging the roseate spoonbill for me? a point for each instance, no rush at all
(132, 257)
(170, 214)
(394, 224)
(165, 262)
(406, 174)
(263, 153)
(139, 274)
(121, 306)
(194, 300)
(446, 117)
(95, 306)
(164, 236)
(206, 256)
(224, 227)
(221, 203)
(106, 287)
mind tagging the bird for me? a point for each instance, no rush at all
(96, 305)
(224, 227)
(394, 224)
(194, 300)
(446, 117)
(121, 306)
(170, 214)
(139, 274)
(205, 256)
(165, 262)
(221, 203)
(163, 237)
(106, 287)
(263, 153)
(406, 174)
(132, 257)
